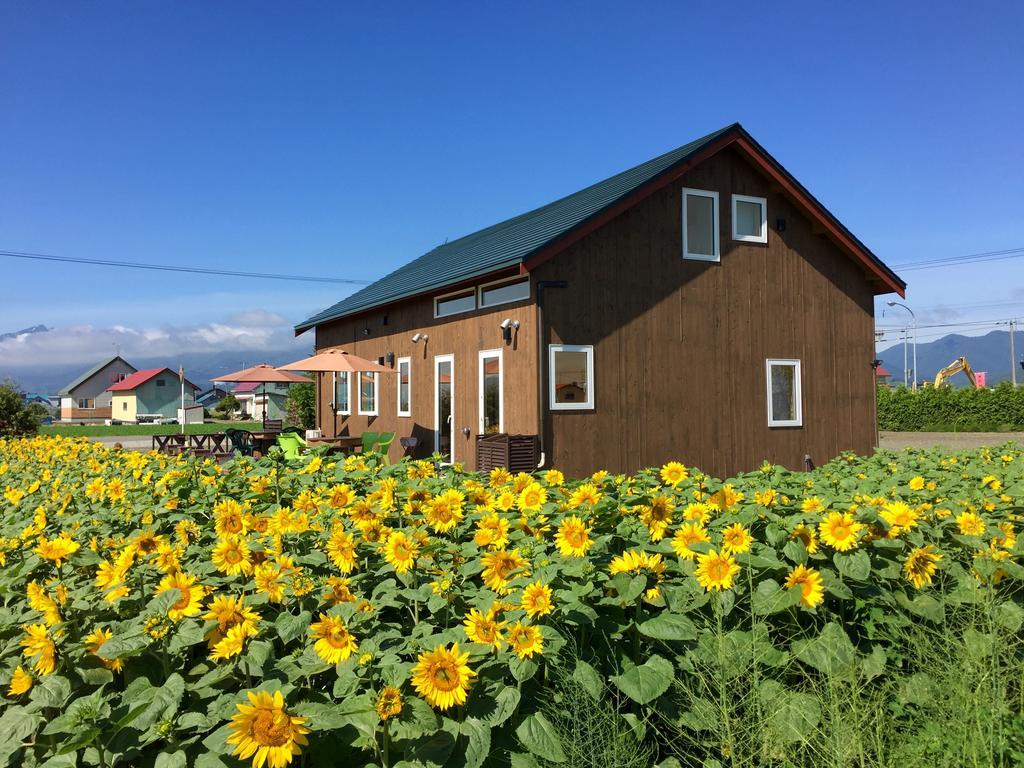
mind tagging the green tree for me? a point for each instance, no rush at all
(300, 406)
(226, 407)
(17, 418)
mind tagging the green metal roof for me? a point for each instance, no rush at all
(512, 242)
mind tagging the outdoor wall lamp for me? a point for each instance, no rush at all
(419, 337)
(506, 329)
(391, 359)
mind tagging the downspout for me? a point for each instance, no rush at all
(542, 360)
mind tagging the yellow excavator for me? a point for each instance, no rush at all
(960, 364)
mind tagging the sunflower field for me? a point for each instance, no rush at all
(168, 612)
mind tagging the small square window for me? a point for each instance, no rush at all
(700, 225)
(749, 219)
(784, 396)
(571, 376)
(161, 382)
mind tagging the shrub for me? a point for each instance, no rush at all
(300, 405)
(17, 418)
(946, 409)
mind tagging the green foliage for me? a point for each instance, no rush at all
(300, 405)
(17, 418)
(949, 409)
(226, 406)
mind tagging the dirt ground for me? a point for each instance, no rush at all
(950, 441)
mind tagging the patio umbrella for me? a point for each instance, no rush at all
(263, 374)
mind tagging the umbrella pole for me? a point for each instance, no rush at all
(263, 389)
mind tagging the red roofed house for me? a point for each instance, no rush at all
(154, 392)
(883, 377)
(256, 397)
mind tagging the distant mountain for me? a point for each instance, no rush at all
(24, 331)
(989, 353)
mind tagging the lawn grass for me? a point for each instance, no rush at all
(141, 430)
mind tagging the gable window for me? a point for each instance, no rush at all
(455, 303)
(784, 398)
(342, 404)
(700, 224)
(570, 377)
(405, 386)
(749, 219)
(504, 292)
(86, 403)
(161, 382)
(368, 384)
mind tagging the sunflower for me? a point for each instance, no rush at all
(573, 537)
(38, 600)
(767, 498)
(231, 556)
(445, 510)
(725, 498)
(525, 640)
(839, 531)
(94, 641)
(265, 731)
(673, 473)
(228, 611)
(232, 643)
(970, 524)
(268, 579)
(809, 582)
(190, 597)
(812, 505)
(38, 644)
(916, 483)
(532, 498)
(146, 543)
(491, 531)
(657, 515)
(341, 548)
(227, 515)
(337, 591)
(919, 567)
(340, 496)
(716, 570)
(684, 539)
(484, 627)
(58, 550)
(554, 477)
(635, 561)
(499, 477)
(400, 551)
(389, 702)
(443, 677)
(21, 682)
(334, 642)
(900, 517)
(584, 494)
(697, 512)
(536, 600)
(736, 539)
(500, 565)
(806, 535)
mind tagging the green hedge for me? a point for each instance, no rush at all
(947, 409)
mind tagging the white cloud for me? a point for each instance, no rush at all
(255, 330)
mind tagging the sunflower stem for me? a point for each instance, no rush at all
(386, 758)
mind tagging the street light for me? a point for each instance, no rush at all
(900, 304)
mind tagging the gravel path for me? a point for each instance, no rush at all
(950, 441)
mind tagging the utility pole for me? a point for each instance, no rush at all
(913, 315)
(905, 369)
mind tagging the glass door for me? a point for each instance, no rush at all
(491, 404)
(444, 405)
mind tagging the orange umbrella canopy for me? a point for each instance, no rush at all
(264, 374)
(335, 360)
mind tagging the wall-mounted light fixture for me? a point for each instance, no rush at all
(506, 329)
(419, 337)
(366, 331)
(780, 225)
(391, 359)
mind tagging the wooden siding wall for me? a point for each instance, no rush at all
(463, 336)
(680, 345)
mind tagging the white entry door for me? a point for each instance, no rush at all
(444, 406)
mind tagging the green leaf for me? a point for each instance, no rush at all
(290, 627)
(95, 676)
(417, 718)
(170, 760)
(770, 598)
(522, 669)
(874, 663)
(831, 652)
(791, 715)
(505, 704)
(1010, 616)
(589, 679)
(52, 691)
(479, 741)
(795, 551)
(523, 760)
(129, 644)
(165, 702)
(856, 566)
(16, 725)
(646, 682)
(669, 626)
(924, 605)
(538, 735)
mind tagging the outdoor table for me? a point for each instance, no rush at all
(263, 440)
(341, 443)
(169, 444)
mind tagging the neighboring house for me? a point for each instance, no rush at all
(46, 401)
(152, 392)
(883, 377)
(702, 306)
(255, 397)
(210, 397)
(86, 398)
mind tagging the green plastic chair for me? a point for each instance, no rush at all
(370, 441)
(290, 445)
(384, 441)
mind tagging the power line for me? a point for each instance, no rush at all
(952, 261)
(171, 268)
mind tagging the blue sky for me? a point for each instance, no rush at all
(345, 139)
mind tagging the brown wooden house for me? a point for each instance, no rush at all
(702, 306)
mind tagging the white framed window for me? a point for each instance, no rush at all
(342, 396)
(491, 408)
(504, 292)
(700, 224)
(749, 219)
(404, 365)
(784, 396)
(87, 404)
(570, 377)
(369, 383)
(455, 303)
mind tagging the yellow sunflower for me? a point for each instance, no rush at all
(573, 537)
(500, 566)
(231, 556)
(920, 565)
(337, 591)
(21, 682)
(38, 645)
(484, 627)
(228, 611)
(900, 517)
(444, 511)
(808, 581)
(807, 535)
(813, 505)
(38, 600)
(554, 477)
(232, 643)
(58, 550)
(268, 580)
(334, 641)
(400, 551)
(536, 600)
(190, 595)
(684, 539)
(525, 640)
(585, 494)
(265, 731)
(341, 548)
(532, 498)
(839, 531)
(228, 518)
(697, 512)
(491, 531)
(716, 570)
(970, 524)
(916, 483)
(443, 677)
(736, 539)
(673, 473)
(389, 703)
(94, 641)
(634, 561)
(657, 515)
